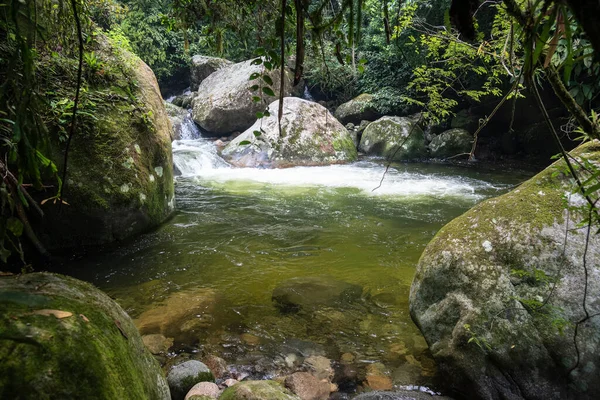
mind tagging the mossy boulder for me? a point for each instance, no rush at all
(224, 101)
(358, 109)
(310, 135)
(395, 138)
(498, 294)
(202, 67)
(120, 168)
(62, 338)
(450, 143)
(257, 390)
(183, 377)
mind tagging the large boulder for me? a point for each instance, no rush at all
(202, 67)
(395, 138)
(183, 377)
(120, 168)
(358, 109)
(257, 390)
(64, 339)
(224, 101)
(450, 143)
(499, 293)
(310, 135)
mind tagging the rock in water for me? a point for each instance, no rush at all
(183, 377)
(359, 108)
(120, 172)
(224, 101)
(499, 290)
(257, 390)
(395, 138)
(311, 291)
(308, 387)
(203, 67)
(203, 389)
(310, 135)
(64, 339)
(450, 143)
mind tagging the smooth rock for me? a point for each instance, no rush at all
(310, 135)
(479, 283)
(206, 389)
(451, 143)
(257, 390)
(217, 365)
(311, 291)
(395, 138)
(307, 386)
(62, 338)
(230, 382)
(157, 343)
(360, 108)
(320, 367)
(182, 377)
(377, 378)
(224, 103)
(202, 67)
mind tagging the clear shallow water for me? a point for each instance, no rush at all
(241, 232)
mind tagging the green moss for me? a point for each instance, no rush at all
(343, 144)
(257, 390)
(94, 353)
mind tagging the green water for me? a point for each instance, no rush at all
(242, 235)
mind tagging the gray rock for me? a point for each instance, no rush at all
(202, 67)
(184, 100)
(480, 284)
(320, 367)
(311, 291)
(257, 390)
(450, 143)
(360, 108)
(224, 104)
(395, 138)
(207, 389)
(309, 136)
(182, 377)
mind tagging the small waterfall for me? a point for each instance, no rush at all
(188, 130)
(196, 156)
(307, 95)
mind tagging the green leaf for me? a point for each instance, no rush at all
(267, 113)
(254, 87)
(15, 226)
(244, 142)
(260, 51)
(268, 79)
(256, 99)
(268, 65)
(259, 115)
(257, 133)
(256, 61)
(268, 91)
(254, 76)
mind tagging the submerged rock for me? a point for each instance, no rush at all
(450, 143)
(63, 338)
(311, 291)
(257, 390)
(202, 67)
(183, 314)
(157, 343)
(395, 138)
(308, 387)
(400, 395)
(310, 135)
(224, 101)
(183, 377)
(499, 290)
(358, 109)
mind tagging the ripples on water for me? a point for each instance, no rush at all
(241, 232)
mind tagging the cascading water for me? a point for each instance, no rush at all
(239, 234)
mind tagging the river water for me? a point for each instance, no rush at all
(239, 233)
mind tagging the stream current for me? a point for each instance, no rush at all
(239, 233)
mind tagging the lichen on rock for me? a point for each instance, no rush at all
(395, 138)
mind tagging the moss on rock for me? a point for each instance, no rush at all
(257, 390)
(62, 338)
(395, 138)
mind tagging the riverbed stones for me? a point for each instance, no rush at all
(182, 315)
(307, 386)
(399, 395)
(310, 135)
(64, 338)
(157, 343)
(377, 378)
(208, 390)
(313, 291)
(320, 367)
(359, 108)
(499, 291)
(202, 67)
(216, 364)
(182, 377)
(394, 138)
(257, 390)
(451, 143)
(224, 103)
